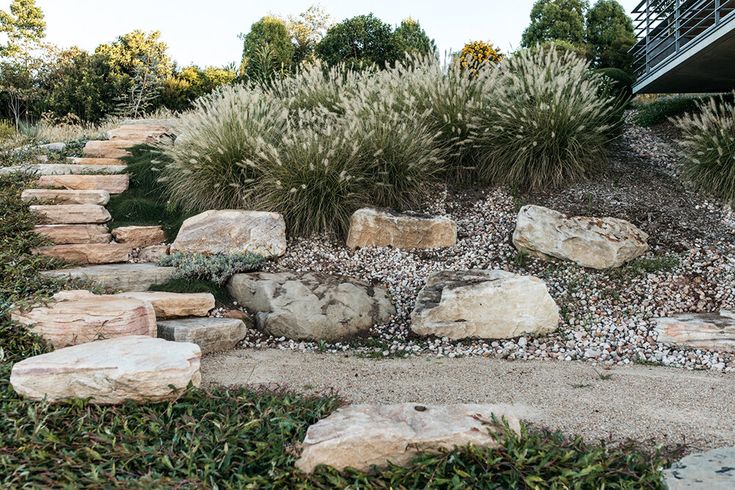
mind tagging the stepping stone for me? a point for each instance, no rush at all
(139, 236)
(88, 253)
(77, 317)
(70, 214)
(144, 133)
(487, 304)
(713, 470)
(64, 196)
(95, 161)
(118, 277)
(107, 372)
(709, 331)
(175, 305)
(108, 148)
(114, 184)
(362, 436)
(382, 228)
(64, 169)
(210, 334)
(74, 234)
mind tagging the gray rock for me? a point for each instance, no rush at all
(57, 147)
(311, 306)
(118, 277)
(713, 470)
(210, 334)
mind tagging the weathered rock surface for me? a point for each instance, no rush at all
(95, 161)
(232, 231)
(381, 228)
(713, 470)
(69, 214)
(362, 436)
(488, 304)
(74, 234)
(175, 305)
(88, 253)
(55, 147)
(64, 196)
(210, 334)
(311, 306)
(62, 169)
(139, 236)
(108, 148)
(154, 253)
(144, 133)
(118, 277)
(598, 243)
(111, 371)
(114, 184)
(709, 331)
(78, 317)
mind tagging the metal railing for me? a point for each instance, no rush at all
(665, 28)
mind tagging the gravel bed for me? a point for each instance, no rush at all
(606, 316)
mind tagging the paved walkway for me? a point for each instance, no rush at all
(670, 406)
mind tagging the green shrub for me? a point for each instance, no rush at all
(620, 81)
(268, 35)
(662, 109)
(545, 123)
(363, 40)
(708, 147)
(7, 130)
(217, 268)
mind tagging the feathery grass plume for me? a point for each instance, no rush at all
(222, 141)
(545, 123)
(708, 147)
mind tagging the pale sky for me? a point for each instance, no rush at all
(205, 32)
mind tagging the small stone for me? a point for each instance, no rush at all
(210, 334)
(175, 305)
(382, 228)
(154, 253)
(139, 236)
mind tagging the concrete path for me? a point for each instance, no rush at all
(668, 406)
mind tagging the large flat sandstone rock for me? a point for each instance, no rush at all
(210, 334)
(487, 304)
(362, 436)
(709, 331)
(233, 231)
(139, 236)
(118, 277)
(64, 196)
(597, 243)
(69, 214)
(95, 161)
(311, 306)
(88, 253)
(381, 228)
(108, 148)
(79, 317)
(138, 368)
(74, 234)
(114, 184)
(40, 169)
(144, 133)
(175, 305)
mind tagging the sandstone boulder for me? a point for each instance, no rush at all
(210, 334)
(139, 236)
(63, 196)
(362, 436)
(95, 161)
(597, 243)
(487, 304)
(74, 234)
(108, 148)
(117, 277)
(311, 306)
(709, 331)
(381, 228)
(114, 184)
(175, 305)
(154, 253)
(232, 231)
(88, 253)
(68, 214)
(79, 317)
(138, 368)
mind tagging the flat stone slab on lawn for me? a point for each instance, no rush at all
(118, 277)
(138, 368)
(487, 304)
(88, 253)
(382, 228)
(311, 306)
(713, 470)
(710, 331)
(72, 214)
(64, 196)
(108, 148)
(362, 436)
(114, 184)
(74, 234)
(139, 236)
(175, 305)
(210, 334)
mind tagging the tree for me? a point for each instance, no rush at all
(410, 38)
(561, 20)
(363, 39)
(610, 35)
(267, 48)
(192, 82)
(23, 25)
(306, 30)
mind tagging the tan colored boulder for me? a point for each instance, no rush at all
(78, 317)
(137, 368)
(597, 243)
(74, 234)
(64, 196)
(144, 133)
(88, 253)
(108, 148)
(210, 334)
(233, 231)
(69, 214)
(708, 331)
(114, 184)
(154, 253)
(380, 228)
(175, 305)
(362, 436)
(95, 161)
(487, 304)
(117, 277)
(139, 236)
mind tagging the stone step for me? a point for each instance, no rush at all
(66, 196)
(94, 161)
(69, 214)
(145, 133)
(139, 236)
(118, 277)
(710, 331)
(74, 234)
(88, 253)
(109, 148)
(137, 368)
(175, 305)
(40, 169)
(210, 334)
(114, 184)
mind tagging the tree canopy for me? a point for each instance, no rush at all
(267, 48)
(610, 35)
(361, 40)
(23, 24)
(561, 20)
(409, 37)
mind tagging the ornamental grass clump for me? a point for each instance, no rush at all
(545, 123)
(708, 147)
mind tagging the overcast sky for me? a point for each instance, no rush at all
(205, 32)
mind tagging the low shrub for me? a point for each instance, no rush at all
(661, 110)
(620, 82)
(217, 268)
(476, 54)
(708, 147)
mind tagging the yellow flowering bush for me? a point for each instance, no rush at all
(476, 54)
